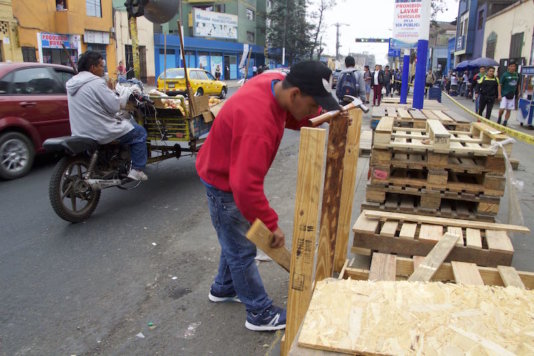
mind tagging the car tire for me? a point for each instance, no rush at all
(16, 155)
(224, 91)
(199, 92)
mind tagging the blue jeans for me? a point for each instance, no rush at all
(238, 272)
(136, 139)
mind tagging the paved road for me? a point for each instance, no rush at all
(147, 255)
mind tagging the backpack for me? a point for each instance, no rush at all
(348, 85)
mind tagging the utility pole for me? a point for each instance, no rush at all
(338, 25)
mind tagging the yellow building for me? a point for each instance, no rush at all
(45, 26)
(9, 44)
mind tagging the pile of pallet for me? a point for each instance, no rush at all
(437, 171)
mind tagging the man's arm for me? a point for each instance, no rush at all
(107, 98)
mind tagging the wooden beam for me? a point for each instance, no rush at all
(337, 137)
(510, 277)
(383, 267)
(309, 179)
(426, 269)
(350, 170)
(420, 219)
(466, 273)
(261, 236)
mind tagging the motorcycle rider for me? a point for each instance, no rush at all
(93, 109)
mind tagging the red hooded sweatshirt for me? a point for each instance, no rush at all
(242, 144)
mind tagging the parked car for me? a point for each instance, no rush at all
(335, 77)
(33, 107)
(202, 82)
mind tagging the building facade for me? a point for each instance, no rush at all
(509, 34)
(46, 26)
(216, 33)
(438, 43)
(145, 36)
(9, 41)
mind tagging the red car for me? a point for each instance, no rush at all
(33, 107)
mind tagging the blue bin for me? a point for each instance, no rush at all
(434, 93)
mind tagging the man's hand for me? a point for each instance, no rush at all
(499, 98)
(279, 239)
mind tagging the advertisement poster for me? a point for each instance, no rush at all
(214, 24)
(216, 61)
(52, 40)
(411, 23)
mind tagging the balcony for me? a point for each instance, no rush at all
(68, 22)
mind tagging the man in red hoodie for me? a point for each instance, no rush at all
(233, 163)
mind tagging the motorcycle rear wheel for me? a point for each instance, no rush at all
(67, 189)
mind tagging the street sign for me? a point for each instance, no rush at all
(372, 40)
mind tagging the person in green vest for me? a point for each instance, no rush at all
(487, 91)
(507, 92)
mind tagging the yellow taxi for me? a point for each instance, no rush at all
(202, 82)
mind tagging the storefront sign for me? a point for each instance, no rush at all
(52, 40)
(96, 37)
(411, 23)
(214, 24)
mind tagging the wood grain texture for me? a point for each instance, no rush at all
(510, 277)
(348, 185)
(383, 267)
(309, 179)
(466, 273)
(337, 137)
(426, 269)
(261, 236)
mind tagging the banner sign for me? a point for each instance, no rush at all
(214, 24)
(52, 40)
(411, 23)
(395, 53)
(96, 37)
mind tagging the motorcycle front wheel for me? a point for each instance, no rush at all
(71, 197)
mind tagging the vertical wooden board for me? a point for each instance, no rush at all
(337, 137)
(432, 233)
(455, 230)
(434, 259)
(499, 241)
(350, 170)
(473, 238)
(408, 231)
(309, 179)
(466, 273)
(389, 228)
(510, 277)
(383, 267)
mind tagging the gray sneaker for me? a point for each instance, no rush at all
(137, 175)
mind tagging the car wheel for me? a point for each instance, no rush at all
(199, 92)
(16, 155)
(224, 90)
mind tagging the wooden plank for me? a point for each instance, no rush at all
(364, 224)
(403, 113)
(330, 210)
(385, 124)
(408, 231)
(510, 277)
(441, 116)
(309, 179)
(499, 241)
(440, 137)
(383, 267)
(429, 114)
(348, 185)
(473, 238)
(389, 228)
(466, 273)
(261, 236)
(455, 230)
(420, 219)
(417, 114)
(435, 258)
(432, 233)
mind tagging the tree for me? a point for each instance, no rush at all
(318, 16)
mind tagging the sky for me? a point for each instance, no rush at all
(364, 19)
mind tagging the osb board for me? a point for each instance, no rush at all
(419, 318)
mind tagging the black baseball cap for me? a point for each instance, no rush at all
(313, 78)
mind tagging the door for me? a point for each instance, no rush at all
(233, 67)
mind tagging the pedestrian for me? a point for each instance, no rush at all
(388, 77)
(121, 72)
(254, 70)
(488, 91)
(507, 92)
(218, 72)
(454, 84)
(398, 81)
(233, 163)
(476, 78)
(430, 79)
(367, 79)
(350, 82)
(378, 81)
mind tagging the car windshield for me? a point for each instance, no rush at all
(173, 74)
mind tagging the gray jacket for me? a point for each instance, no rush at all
(359, 78)
(93, 108)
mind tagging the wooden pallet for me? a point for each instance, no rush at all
(402, 234)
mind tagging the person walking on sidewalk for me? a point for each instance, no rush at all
(367, 77)
(429, 80)
(476, 78)
(350, 82)
(388, 76)
(488, 90)
(232, 165)
(507, 92)
(378, 81)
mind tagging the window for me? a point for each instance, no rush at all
(28, 54)
(169, 51)
(210, 76)
(250, 37)
(4, 83)
(516, 45)
(193, 75)
(219, 8)
(201, 75)
(93, 8)
(63, 76)
(491, 43)
(250, 14)
(61, 5)
(480, 19)
(35, 81)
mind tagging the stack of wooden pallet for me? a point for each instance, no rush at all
(437, 171)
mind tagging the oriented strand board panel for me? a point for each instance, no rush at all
(396, 318)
